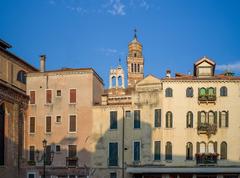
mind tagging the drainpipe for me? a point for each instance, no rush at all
(123, 135)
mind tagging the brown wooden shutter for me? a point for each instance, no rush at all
(32, 97)
(199, 118)
(72, 127)
(215, 117)
(220, 119)
(227, 118)
(32, 124)
(49, 96)
(215, 147)
(72, 95)
(48, 124)
(198, 147)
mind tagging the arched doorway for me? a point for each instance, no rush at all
(2, 114)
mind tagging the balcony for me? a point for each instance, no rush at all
(71, 161)
(206, 128)
(207, 98)
(112, 161)
(207, 95)
(206, 158)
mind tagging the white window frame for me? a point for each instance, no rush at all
(35, 97)
(56, 93)
(34, 173)
(45, 127)
(69, 95)
(46, 97)
(56, 119)
(32, 133)
(133, 150)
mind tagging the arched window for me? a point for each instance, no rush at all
(223, 119)
(202, 117)
(210, 91)
(211, 117)
(203, 92)
(189, 121)
(189, 92)
(223, 150)
(138, 67)
(114, 81)
(21, 76)
(189, 151)
(223, 91)
(120, 81)
(135, 54)
(168, 92)
(168, 155)
(131, 67)
(202, 147)
(169, 119)
(211, 147)
(135, 68)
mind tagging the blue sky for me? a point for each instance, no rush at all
(95, 33)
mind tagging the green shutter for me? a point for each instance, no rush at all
(220, 119)
(198, 147)
(215, 117)
(227, 120)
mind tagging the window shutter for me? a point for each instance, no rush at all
(215, 147)
(32, 97)
(32, 124)
(49, 96)
(48, 124)
(220, 119)
(171, 120)
(198, 147)
(187, 120)
(227, 120)
(199, 118)
(72, 127)
(215, 117)
(72, 95)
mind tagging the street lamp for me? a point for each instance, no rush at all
(46, 158)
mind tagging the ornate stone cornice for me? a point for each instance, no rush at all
(12, 96)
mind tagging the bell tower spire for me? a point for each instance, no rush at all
(135, 61)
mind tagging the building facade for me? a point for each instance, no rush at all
(60, 111)
(13, 106)
(177, 126)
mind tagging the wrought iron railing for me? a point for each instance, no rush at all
(112, 161)
(71, 161)
(206, 158)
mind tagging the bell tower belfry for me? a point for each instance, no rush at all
(135, 61)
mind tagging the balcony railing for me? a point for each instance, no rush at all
(71, 161)
(206, 98)
(206, 128)
(112, 161)
(206, 158)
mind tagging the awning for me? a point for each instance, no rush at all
(139, 170)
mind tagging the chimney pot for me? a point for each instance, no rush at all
(42, 63)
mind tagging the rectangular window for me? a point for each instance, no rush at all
(137, 121)
(128, 114)
(136, 151)
(157, 118)
(48, 96)
(72, 95)
(32, 124)
(32, 153)
(31, 175)
(113, 119)
(32, 97)
(48, 124)
(157, 150)
(113, 175)
(113, 154)
(58, 119)
(58, 148)
(59, 93)
(72, 151)
(72, 123)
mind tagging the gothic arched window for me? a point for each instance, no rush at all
(189, 92)
(223, 150)
(169, 119)
(223, 119)
(189, 151)
(21, 76)
(223, 91)
(168, 155)
(168, 92)
(189, 121)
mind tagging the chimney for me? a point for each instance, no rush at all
(42, 63)
(168, 73)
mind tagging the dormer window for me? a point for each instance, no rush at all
(204, 68)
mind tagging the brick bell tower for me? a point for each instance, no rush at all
(135, 61)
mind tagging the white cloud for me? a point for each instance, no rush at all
(116, 7)
(235, 66)
(109, 51)
(144, 4)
